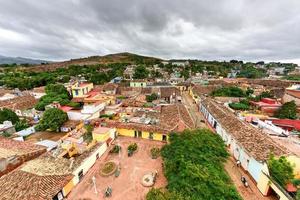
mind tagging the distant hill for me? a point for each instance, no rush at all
(20, 60)
(93, 60)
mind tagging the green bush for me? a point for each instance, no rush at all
(155, 152)
(281, 170)
(229, 92)
(8, 115)
(194, 166)
(152, 97)
(115, 149)
(239, 106)
(132, 147)
(287, 111)
(52, 119)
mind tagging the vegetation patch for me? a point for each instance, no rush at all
(132, 147)
(231, 91)
(193, 163)
(155, 152)
(115, 149)
(287, 111)
(242, 105)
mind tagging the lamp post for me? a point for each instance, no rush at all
(94, 183)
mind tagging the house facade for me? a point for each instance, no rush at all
(245, 143)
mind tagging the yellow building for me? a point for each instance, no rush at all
(138, 133)
(80, 90)
(103, 134)
(268, 186)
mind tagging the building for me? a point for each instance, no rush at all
(198, 91)
(7, 128)
(14, 153)
(81, 89)
(110, 88)
(292, 94)
(104, 134)
(50, 176)
(128, 72)
(267, 106)
(246, 143)
(153, 124)
(138, 83)
(21, 105)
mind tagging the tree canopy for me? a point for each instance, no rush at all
(52, 119)
(140, 72)
(8, 115)
(287, 111)
(54, 92)
(231, 91)
(193, 163)
(281, 170)
(151, 97)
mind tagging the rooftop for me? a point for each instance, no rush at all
(21, 185)
(9, 147)
(254, 141)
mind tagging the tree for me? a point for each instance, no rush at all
(231, 91)
(288, 110)
(152, 97)
(21, 125)
(52, 119)
(140, 72)
(58, 89)
(281, 170)
(193, 163)
(159, 194)
(54, 92)
(8, 115)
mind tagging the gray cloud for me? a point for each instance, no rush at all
(211, 30)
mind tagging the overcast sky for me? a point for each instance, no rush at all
(211, 30)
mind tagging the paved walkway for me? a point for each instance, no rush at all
(193, 110)
(128, 184)
(235, 173)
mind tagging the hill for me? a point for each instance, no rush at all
(20, 60)
(93, 60)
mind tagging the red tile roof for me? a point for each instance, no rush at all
(254, 141)
(19, 103)
(21, 185)
(287, 123)
(11, 146)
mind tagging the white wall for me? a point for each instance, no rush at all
(89, 162)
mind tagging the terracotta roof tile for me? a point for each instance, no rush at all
(19, 103)
(20, 185)
(255, 142)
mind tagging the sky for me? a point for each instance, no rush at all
(249, 30)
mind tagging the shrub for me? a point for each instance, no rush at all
(152, 97)
(132, 147)
(115, 149)
(239, 106)
(229, 92)
(155, 152)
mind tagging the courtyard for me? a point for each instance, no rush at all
(132, 169)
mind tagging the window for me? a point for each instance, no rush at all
(80, 174)
(215, 124)
(76, 92)
(139, 134)
(135, 134)
(164, 138)
(151, 136)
